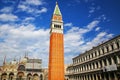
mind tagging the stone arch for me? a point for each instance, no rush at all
(29, 76)
(35, 76)
(21, 68)
(20, 76)
(11, 76)
(4, 76)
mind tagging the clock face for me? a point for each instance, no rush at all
(55, 17)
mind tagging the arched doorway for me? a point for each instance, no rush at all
(35, 77)
(20, 76)
(4, 76)
(11, 76)
(29, 76)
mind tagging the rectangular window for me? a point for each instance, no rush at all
(57, 26)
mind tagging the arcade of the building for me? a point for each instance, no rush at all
(26, 69)
(100, 63)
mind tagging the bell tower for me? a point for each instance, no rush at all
(56, 50)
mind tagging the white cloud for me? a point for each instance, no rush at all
(75, 43)
(27, 19)
(92, 10)
(8, 17)
(101, 37)
(19, 39)
(97, 29)
(68, 24)
(23, 7)
(6, 10)
(43, 10)
(92, 24)
(15, 40)
(102, 18)
(35, 9)
(32, 10)
(34, 2)
(74, 37)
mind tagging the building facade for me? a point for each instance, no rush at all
(25, 69)
(100, 63)
(56, 52)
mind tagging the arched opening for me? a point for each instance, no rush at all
(117, 43)
(29, 76)
(109, 61)
(4, 76)
(11, 76)
(107, 48)
(21, 68)
(112, 46)
(35, 77)
(105, 63)
(103, 50)
(97, 64)
(20, 76)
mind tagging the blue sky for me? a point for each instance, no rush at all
(24, 26)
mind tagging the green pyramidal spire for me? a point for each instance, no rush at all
(57, 10)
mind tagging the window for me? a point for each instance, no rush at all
(57, 26)
(117, 44)
(107, 48)
(21, 67)
(103, 50)
(98, 52)
(112, 47)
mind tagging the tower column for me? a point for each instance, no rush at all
(56, 50)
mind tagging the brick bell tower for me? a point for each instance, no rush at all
(56, 51)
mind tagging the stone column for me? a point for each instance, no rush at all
(100, 76)
(112, 60)
(93, 78)
(99, 64)
(84, 77)
(93, 54)
(88, 67)
(114, 45)
(95, 65)
(96, 77)
(7, 77)
(118, 59)
(109, 76)
(103, 65)
(97, 52)
(90, 77)
(101, 52)
(92, 66)
(107, 62)
(105, 50)
(15, 77)
(83, 68)
(104, 77)
(109, 47)
(115, 76)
